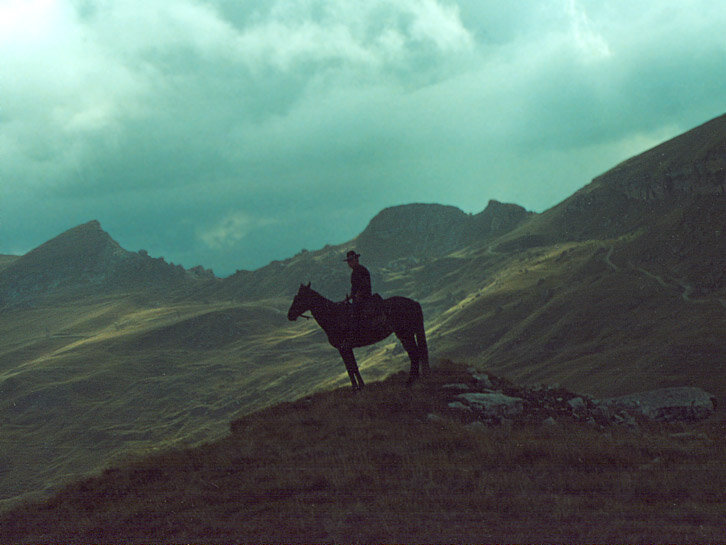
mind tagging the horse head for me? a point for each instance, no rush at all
(301, 302)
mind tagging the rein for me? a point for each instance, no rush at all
(305, 316)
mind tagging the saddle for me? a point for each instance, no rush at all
(371, 313)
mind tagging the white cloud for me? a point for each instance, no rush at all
(372, 33)
(231, 229)
(590, 44)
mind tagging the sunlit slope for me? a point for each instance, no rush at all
(86, 383)
(583, 317)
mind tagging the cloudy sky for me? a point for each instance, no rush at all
(229, 133)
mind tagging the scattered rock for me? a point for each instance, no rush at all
(666, 404)
(493, 405)
(460, 406)
(493, 401)
(482, 379)
(652, 464)
(692, 436)
(477, 425)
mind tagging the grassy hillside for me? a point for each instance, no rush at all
(393, 464)
(87, 383)
(584, 316)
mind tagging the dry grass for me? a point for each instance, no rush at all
(375, 467)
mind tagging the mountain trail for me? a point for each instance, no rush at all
(684, 288)
(608, 261)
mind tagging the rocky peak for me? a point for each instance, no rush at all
(86, 246)
(498, 217)
(86, 260)
(415, 219)
(412, 230)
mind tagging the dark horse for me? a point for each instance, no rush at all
(404, 317)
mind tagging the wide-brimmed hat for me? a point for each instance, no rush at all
(351, 255)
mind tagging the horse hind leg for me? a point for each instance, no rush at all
(423, 350)
(409, 345)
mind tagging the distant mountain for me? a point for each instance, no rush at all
(424, 231)
(413, 231)
(623, 283)
(398, 239)
(85, 260)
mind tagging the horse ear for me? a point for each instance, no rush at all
(309, 284)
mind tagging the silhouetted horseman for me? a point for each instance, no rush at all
(401, 316)
(360, 279)
(360, 287)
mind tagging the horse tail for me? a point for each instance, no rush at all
(423, 348)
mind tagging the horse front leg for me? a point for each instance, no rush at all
(352, 367)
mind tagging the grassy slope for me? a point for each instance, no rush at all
(6, 260)
(339, 467)
(583, 316)
(87, 383)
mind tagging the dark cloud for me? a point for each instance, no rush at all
(224, 134)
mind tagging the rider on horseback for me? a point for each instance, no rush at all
(360, 287)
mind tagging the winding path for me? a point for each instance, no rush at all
(685, 289)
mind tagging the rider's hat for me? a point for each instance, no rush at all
(351, 255)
